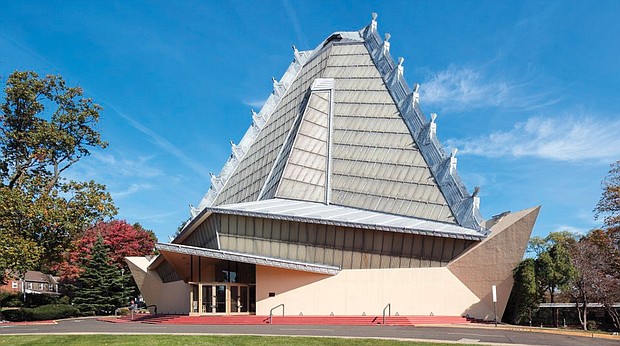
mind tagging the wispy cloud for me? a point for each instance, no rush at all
(292, 16)
(133, 188)
(574, 230)
(164, 144)
(122, 166)
(561, 139)
(457, 89)
(255, 104)
(11, 44)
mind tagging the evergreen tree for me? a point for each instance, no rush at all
(100, 289)
(525, 296)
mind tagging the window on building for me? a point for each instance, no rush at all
(14, 284)
(41, 287)
(30, 285)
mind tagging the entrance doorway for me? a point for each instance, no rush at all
(222, 298)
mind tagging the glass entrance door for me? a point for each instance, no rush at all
(221, 298)
(243, 298)
(207, 299)
(239, 299)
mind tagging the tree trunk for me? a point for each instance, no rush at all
(554, 310)
(582, 317)
(585, 316)
(613, 313)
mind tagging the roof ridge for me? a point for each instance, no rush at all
(465, 207)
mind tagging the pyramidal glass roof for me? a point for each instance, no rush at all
(388, 165)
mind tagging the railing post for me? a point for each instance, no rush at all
(389, 307)
(271, 312)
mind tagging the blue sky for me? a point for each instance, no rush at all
(526, 90)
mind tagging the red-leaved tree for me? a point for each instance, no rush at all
(121, 238)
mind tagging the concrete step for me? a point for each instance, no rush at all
(290, 320)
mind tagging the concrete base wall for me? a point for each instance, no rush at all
(461, 288)
(411, 291)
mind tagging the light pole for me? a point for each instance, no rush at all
(123, 286)
(494, 289)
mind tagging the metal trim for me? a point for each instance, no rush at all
(248, 258)
(361, 225)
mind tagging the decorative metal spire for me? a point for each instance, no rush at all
(400, 69)
(386, 44)
(432, 129)
(373, 22)
(237, 151)
(296, 54)
(453, 160)
(416, 93)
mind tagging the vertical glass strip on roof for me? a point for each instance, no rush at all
(247, 181)
(309, 154)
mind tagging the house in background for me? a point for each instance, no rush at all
(34, 282)
(339, 200)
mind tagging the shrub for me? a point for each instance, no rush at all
(12, 300)
(34, 300)
(17, 315)
(44, 312)
(53, 311)
(65, 300)
(592, 325)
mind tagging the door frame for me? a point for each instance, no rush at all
(196, 303)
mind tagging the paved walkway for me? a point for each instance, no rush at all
(474, 335)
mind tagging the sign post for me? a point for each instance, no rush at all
(494, 303)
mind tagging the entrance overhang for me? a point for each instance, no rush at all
(169, 248)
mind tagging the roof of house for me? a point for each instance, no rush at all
(36, 276)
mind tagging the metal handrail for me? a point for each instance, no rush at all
(389, 307)
(152, 305)
(271, 311)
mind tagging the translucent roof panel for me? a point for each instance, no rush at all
(376, 163)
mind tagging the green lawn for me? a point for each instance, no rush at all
(171, 340)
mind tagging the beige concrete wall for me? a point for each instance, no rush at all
(491, 261)
(170, 298)
(411, 291)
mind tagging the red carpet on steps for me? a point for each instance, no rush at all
(290, 320)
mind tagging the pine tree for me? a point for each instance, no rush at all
(100, 288)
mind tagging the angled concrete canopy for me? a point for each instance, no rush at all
(501, 251)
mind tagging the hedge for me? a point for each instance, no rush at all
(44, 312)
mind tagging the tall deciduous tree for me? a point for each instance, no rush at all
(608, 240)
(609, 204)
(553, 266)
(588, 261)
(45, 128)
(596, 279)
(100, 288)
